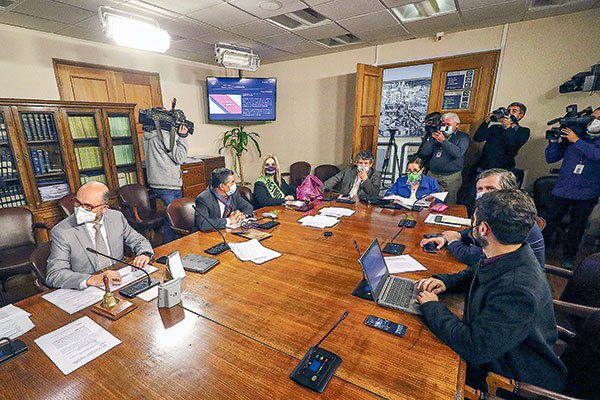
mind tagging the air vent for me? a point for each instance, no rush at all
(342, 40)
(424, 9)
(6, 3)
(297, 20)
(537, 4)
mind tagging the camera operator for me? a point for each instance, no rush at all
(447, 148)
(431, 124)
(164, 157)
(503, 137)
(578, 186)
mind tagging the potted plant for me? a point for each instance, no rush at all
(237, 141)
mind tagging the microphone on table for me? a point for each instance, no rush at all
(362, 290)
(216, 249)
(139, 287)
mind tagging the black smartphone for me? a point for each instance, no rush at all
(386, 326)
(407, 223)
(430, 248)
(268, 225)
(432, 235)
(417, 208)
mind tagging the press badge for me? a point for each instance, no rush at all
(439, 154)
(578, 169)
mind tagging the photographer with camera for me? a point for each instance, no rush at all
(165, 148)
(578, 186)
(431, 124)
(447, 147)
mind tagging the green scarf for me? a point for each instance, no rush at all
(272, 187)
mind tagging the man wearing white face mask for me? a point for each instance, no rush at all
(221, 203)
(447, 149)
(96, 226)
(578, 186)
(359, 179)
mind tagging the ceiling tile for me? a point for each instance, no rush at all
(92, 5)
(505, 12)
(470, 4)
(286, 39)
(313, 3)
(340, 9)
(223, 16)
(27, 21)
(52, 10)
(253, 7)
(183, 7)
(569, 8)
(256, 29)
(304, 47)
(434, 24)
(187, 27)
(368, 22)
(397, 3)
(80, 32)
(322, 31)
(193, 46)
(381, 34)
(147, 10)
(221, 36)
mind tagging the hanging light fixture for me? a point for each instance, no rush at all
(134, 31)
(238, 57)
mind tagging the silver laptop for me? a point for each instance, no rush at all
(388, 290)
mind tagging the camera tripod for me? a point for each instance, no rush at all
(391, 153)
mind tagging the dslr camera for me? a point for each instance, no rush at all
(432, 123)
(577, 121)
(503, 113)
(167, 119)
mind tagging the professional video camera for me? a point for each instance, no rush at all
(167, 119)
(503, 113)
(577, 121)
(433, 123)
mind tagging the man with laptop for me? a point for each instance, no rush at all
(508, 326)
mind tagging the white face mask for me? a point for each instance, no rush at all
(479, 195)
(594, 126)
(84, 216)
(232, 189)
(361, 168)
(446, 130)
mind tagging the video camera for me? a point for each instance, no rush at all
(167, 119)
(577, 121)
(502, 112)
(433, 123)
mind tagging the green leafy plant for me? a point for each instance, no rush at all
(237, 141)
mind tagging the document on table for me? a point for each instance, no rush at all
(76, 344)
(447, 220)
(441, 196)
(130, 274)
(403, 201)
(318, 221)
(14, 321)
(254, 251)
(403, 263)
(337, 212)
(73, 300)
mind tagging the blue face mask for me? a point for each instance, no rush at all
(361, 168)
(232, 190)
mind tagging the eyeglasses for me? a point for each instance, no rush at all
(86, 206)
(413, 171)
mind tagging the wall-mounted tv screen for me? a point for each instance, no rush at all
(241, 99)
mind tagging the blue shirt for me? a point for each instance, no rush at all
(427, 186)
(583, 186)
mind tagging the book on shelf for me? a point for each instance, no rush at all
(34, 132)
(84, 178)
(40, 160)
(7, 166)
(127, 178)
(3, 130)
(88, 157)
(119, 126)
(44, 127)
(39, 126)
(52, 190)
(124, 154)
(12, 196)
(83, 126)
(53, 135)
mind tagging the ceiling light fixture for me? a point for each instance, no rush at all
(424, 9)
(237, 57)
(270, 5)
(134, 31)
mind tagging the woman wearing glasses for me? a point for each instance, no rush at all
(270, 189)
(415, 185)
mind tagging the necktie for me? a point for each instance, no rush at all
(228, 209)
(355, 187)
(101, 247)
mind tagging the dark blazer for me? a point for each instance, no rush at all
(208, 205)
(501, 145)
(262, 197)
(508, 326)
(347, 176)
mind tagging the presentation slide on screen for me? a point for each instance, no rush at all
(243, 99)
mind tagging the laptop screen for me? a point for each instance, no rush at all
(374, 267)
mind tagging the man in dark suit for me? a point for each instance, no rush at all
(221, 203)
(92, 225)
(358, 179)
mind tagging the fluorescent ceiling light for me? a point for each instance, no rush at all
(237, 57)
(424, 9)
(134, 31)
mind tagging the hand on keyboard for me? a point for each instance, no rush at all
(432, 285)
(425, 297)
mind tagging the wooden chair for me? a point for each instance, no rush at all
(66, 204)
(326, 171)
(181, 215)
(247, 195)
(39, 262)
(135, 203)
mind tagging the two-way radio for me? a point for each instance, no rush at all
(318, 365)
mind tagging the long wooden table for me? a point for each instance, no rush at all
(258, 322)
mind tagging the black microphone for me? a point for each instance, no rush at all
(362, 290)
(136, 289)
(216, 249)
(332, 328)
(394, 248)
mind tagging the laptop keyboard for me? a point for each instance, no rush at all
(400, 293)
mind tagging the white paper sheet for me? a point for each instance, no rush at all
(73, 300)
(11, 310)
(149, 294)
(337, 212)
(318, 221)
(130, 274)
(401, 200)
(430, 219)
(76, 344)
(14, 321)
(403, 263)
(254, 251)
(441, 196)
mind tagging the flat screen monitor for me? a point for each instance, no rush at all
(241, 99)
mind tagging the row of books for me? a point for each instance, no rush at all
(87, 178)
(12, 196)
(40, 159)
(88, 157)
(39, 126)
(119, 126)
(83, 127)
(3, 130)
(53, 189)
(7, 166)
(127, 178)
(124, 154)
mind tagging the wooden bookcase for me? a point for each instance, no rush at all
(50, 148)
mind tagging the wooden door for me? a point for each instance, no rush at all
(77, 83)
(366, 108)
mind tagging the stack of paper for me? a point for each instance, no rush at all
(403, 201)
(318, 221)
(404, 263)
(337, 212)
(253, 251)
(447, 220)
(14, 321)
(424, 202)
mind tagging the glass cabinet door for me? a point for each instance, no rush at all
(122, 140)
(11, 192)
(87, 146)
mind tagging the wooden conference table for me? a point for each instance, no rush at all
(259, 322)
